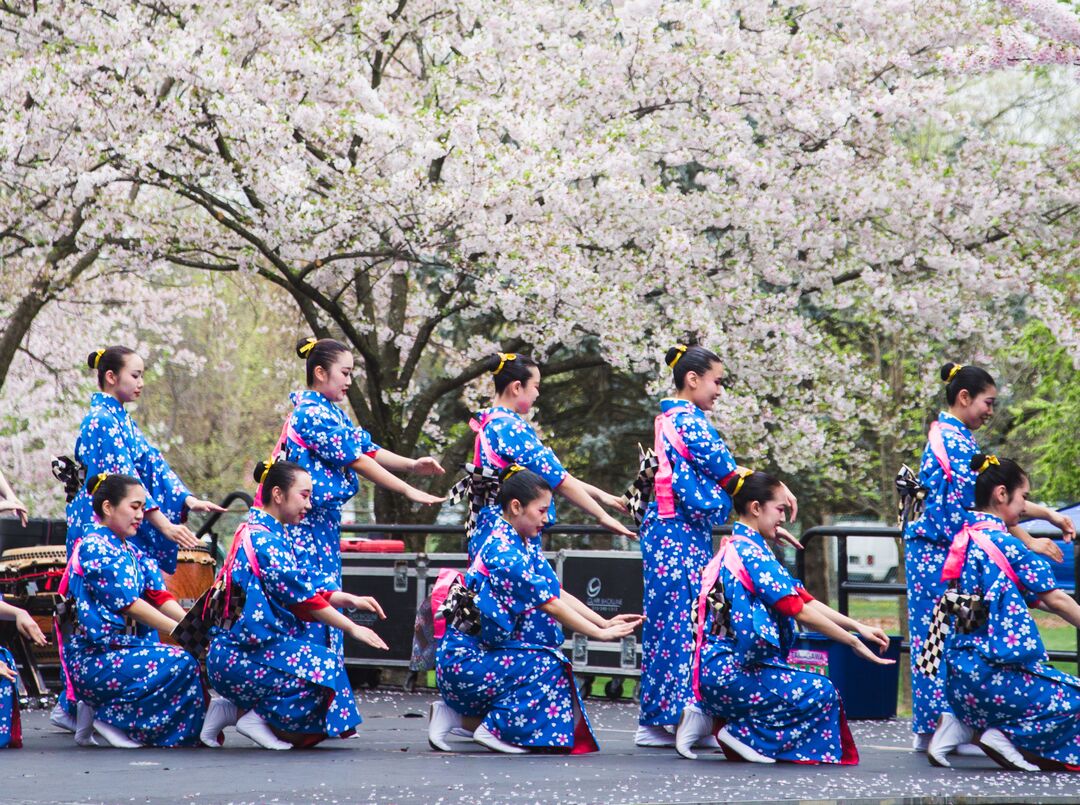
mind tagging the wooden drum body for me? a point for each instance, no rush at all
(194, 575)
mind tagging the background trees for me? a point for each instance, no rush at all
(835, 198)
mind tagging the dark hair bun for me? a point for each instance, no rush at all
(92, 359)
(304, 345)
(977, 460)
(946, 370)
(673, 353)
(260, 471)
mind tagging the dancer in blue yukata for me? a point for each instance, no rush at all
(971, 394)
(504, 437)
(295, 691)
(512, 694)
(110, 442)
(745, 613)
(1002, 691)
(10, 726)
(676, 536)
(144, 692)
(319, 436)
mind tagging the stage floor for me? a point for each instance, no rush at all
(390, 762)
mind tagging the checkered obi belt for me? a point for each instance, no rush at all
(640, 491)
(480, 487)
(968, 610)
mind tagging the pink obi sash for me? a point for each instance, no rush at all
(242, 536)
(729, 558)
(937, 446)
(482, 443)
(664, 430)
(954, 564)
(288, 433)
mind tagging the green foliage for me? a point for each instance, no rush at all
(1045, 434)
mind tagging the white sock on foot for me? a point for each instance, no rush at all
(84, 724)
(220, 713)
(653, 736)
(745, 751)
(115, 737)
(694, 727)
(485, 737)
(251, 725)
(59, 718)
(950, 733)
(442, 720)
(997, 745)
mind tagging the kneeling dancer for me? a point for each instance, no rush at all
(292, 686)
(144, 692)
(512, 694)
(745, 617)
(998, 682)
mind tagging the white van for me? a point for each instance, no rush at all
(872, 558)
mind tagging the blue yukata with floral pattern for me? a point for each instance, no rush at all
(926, 544)
(523, 691)
(110, 442)
(674, 551)
(10, 731)
(780, 711)
(266, 661)
(146, 689)
(333, 443)
(515, 441)
(999, 675)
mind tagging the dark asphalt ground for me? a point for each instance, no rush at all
(390, 762)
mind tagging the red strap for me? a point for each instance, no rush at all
(727, 557)
(482, 443)
(937, 446)
(789, 605)
(664, 430)
(954, 564)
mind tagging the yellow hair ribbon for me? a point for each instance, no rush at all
(265, 472)
(987, 462)
(952, 372)
(513, 469)
(504, 358)
(743, 475)
(681, 349)
(97, 357)
(101, 476)
(310, 345)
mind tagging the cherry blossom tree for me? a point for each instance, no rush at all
(429, 181)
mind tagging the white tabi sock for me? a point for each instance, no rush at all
(59, 718)
(694, 728)
(220, 713)
(84, 725)
(251, 725)
(484, 737)
(745, 751)
(115, 737)
(653, 736)
(442, 720)
(1001, 750)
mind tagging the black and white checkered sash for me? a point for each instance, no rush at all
(640, 491)
(970, 613)
(480, 486)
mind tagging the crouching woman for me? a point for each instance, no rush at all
(514, 695)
